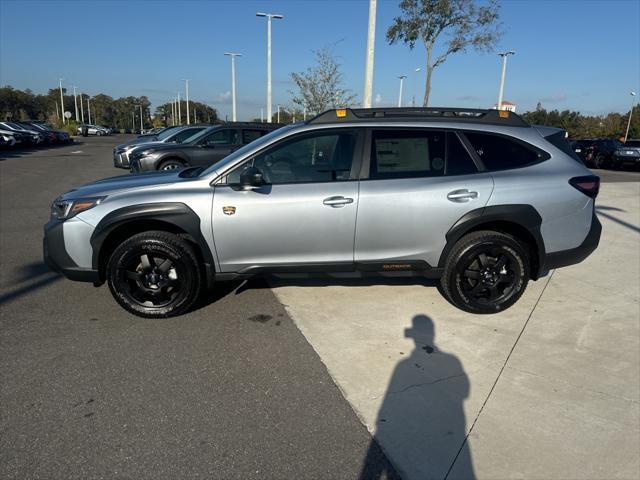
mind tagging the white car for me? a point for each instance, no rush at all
(94, 130)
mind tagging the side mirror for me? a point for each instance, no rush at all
(250, 178)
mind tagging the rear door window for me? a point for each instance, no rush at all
(407, 154)
(249, 136)
(499, 152)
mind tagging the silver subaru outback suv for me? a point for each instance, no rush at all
(478, 199)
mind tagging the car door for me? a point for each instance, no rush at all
(417, 185)
(214, 146)
(303, 217)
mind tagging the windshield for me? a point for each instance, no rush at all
(165, 133)
(195, 136)
(247, 148)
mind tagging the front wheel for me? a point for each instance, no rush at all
(485, 272)
(171, 165)
(154, 274)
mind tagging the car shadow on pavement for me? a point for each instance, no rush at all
(40, 276)
(600, 209)
(421, 424)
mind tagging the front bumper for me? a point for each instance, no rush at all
(120, 160)
(627, 159)
(564, 258)
(57, 258)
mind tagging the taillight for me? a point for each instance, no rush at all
(589, 185)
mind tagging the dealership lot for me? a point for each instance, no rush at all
(548, 389)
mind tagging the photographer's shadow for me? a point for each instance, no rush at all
(421, 423)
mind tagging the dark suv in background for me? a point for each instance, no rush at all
(202, 149)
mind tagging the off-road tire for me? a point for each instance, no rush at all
(168, 295)
(466, 261)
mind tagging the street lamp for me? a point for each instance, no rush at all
(368, 70)
(62, 102)
(81, 109)
(186, 87)
(413, 87)
(233, 82)
(89, 108)
(633, 100)
(401, 77)
(269, 17)
(75, 101)
(504, 56)
(179, 112)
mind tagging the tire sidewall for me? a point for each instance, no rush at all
(139, 246)
(454, 279)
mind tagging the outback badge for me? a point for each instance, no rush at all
(228, 210)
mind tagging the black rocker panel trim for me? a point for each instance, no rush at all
(175, 213)
(524, 216)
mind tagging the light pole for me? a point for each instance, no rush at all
(186, 88)
(269, 17)
(62, 102)
(179, 112)
(89, 108)
(633, 100)
(81, 110)
(368, 71)
(278, 113)
(233, 83)
(401, 77)
(413, 87)
(261, 115)
(133, 121)
(140, 118)
(504, 56)
(75, 101)
(304, 113)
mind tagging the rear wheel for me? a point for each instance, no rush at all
(486, 272)
(154, 274)
(171, 164)
(601, 161)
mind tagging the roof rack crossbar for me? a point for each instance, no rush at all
(471, 115)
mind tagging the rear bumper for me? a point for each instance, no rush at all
(575, 255)
(57, 258)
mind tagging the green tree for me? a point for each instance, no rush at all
(445, 27)
(320, 87)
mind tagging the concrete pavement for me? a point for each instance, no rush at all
(547, 389)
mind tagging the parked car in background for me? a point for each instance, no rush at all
(175, 134)
(29, 136)
(202, 149)
(9, 138)
(627, 154)
(97, 130)
(602, 152)
(61, 136)
(50, 137)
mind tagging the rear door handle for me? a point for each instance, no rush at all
(461, 196)
(337, 202)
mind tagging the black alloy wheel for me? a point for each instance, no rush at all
(486, 272)
(154, 274)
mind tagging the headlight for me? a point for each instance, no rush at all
(65, 209)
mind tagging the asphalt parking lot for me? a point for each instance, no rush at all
(232, 390)
(295, 379)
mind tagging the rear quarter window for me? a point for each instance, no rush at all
(559, 141)
(499, 152)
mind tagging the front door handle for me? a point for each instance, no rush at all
(337, 202)
(461, 196)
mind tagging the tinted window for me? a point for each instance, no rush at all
(459, 162)
(559, 141)
(500, 153)
(398, 154)
(182, 135)
(225, 136)
(249, 136)
(318, 158)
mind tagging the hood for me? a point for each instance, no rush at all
(122, 183)
(139, 140)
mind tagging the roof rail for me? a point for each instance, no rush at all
(420, 114)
